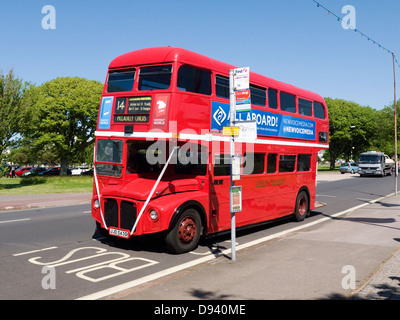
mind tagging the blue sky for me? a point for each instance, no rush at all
(290, 40)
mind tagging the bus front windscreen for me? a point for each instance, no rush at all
(109, 157)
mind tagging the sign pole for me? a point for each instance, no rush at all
(232, 104)
(395, 129)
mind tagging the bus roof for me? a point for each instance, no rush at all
(171, 54)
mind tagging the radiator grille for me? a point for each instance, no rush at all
(119, 214)
(128, 215)
(111, 212)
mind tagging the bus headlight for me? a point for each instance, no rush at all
(97, 203)
(153, 214)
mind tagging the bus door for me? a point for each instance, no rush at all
(220, 218)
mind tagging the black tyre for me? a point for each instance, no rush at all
(302, 206)
(185, 234)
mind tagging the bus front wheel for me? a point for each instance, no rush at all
(301, 209)
(185, 234)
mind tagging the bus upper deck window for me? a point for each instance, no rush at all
(273, 98)
(258, 95)
(155, 77)
(194, 80)
(120, 81)
(222, 87)
(288, 102)
(305, 107)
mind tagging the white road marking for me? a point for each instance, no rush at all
(18, 220)
(33, 251)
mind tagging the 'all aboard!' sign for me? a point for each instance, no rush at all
(268, 123)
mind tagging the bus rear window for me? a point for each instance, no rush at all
(319, 110)
(155, 77)
(120, 81)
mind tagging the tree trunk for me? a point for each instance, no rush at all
(64, 167)
(332, 164)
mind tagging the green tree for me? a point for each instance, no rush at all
(11, 108)
(351, 129)
(63, 118)
(384, 136)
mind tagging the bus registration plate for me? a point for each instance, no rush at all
(119, 233)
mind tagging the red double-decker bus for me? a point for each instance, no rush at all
(162, 164)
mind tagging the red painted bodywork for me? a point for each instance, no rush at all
(265, 196)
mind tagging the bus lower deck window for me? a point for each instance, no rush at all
(271, 163)
(222, 165)
(253, 163)
(286, 163)
(303, 162)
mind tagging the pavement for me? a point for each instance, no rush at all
(32, 201)
(354, 255)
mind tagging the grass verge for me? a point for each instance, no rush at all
(326, 168)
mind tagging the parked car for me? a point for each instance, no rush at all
(78, 171)
(349, 167)
(54, 171)
(21, 170)
(88, 172)
(34, 171)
